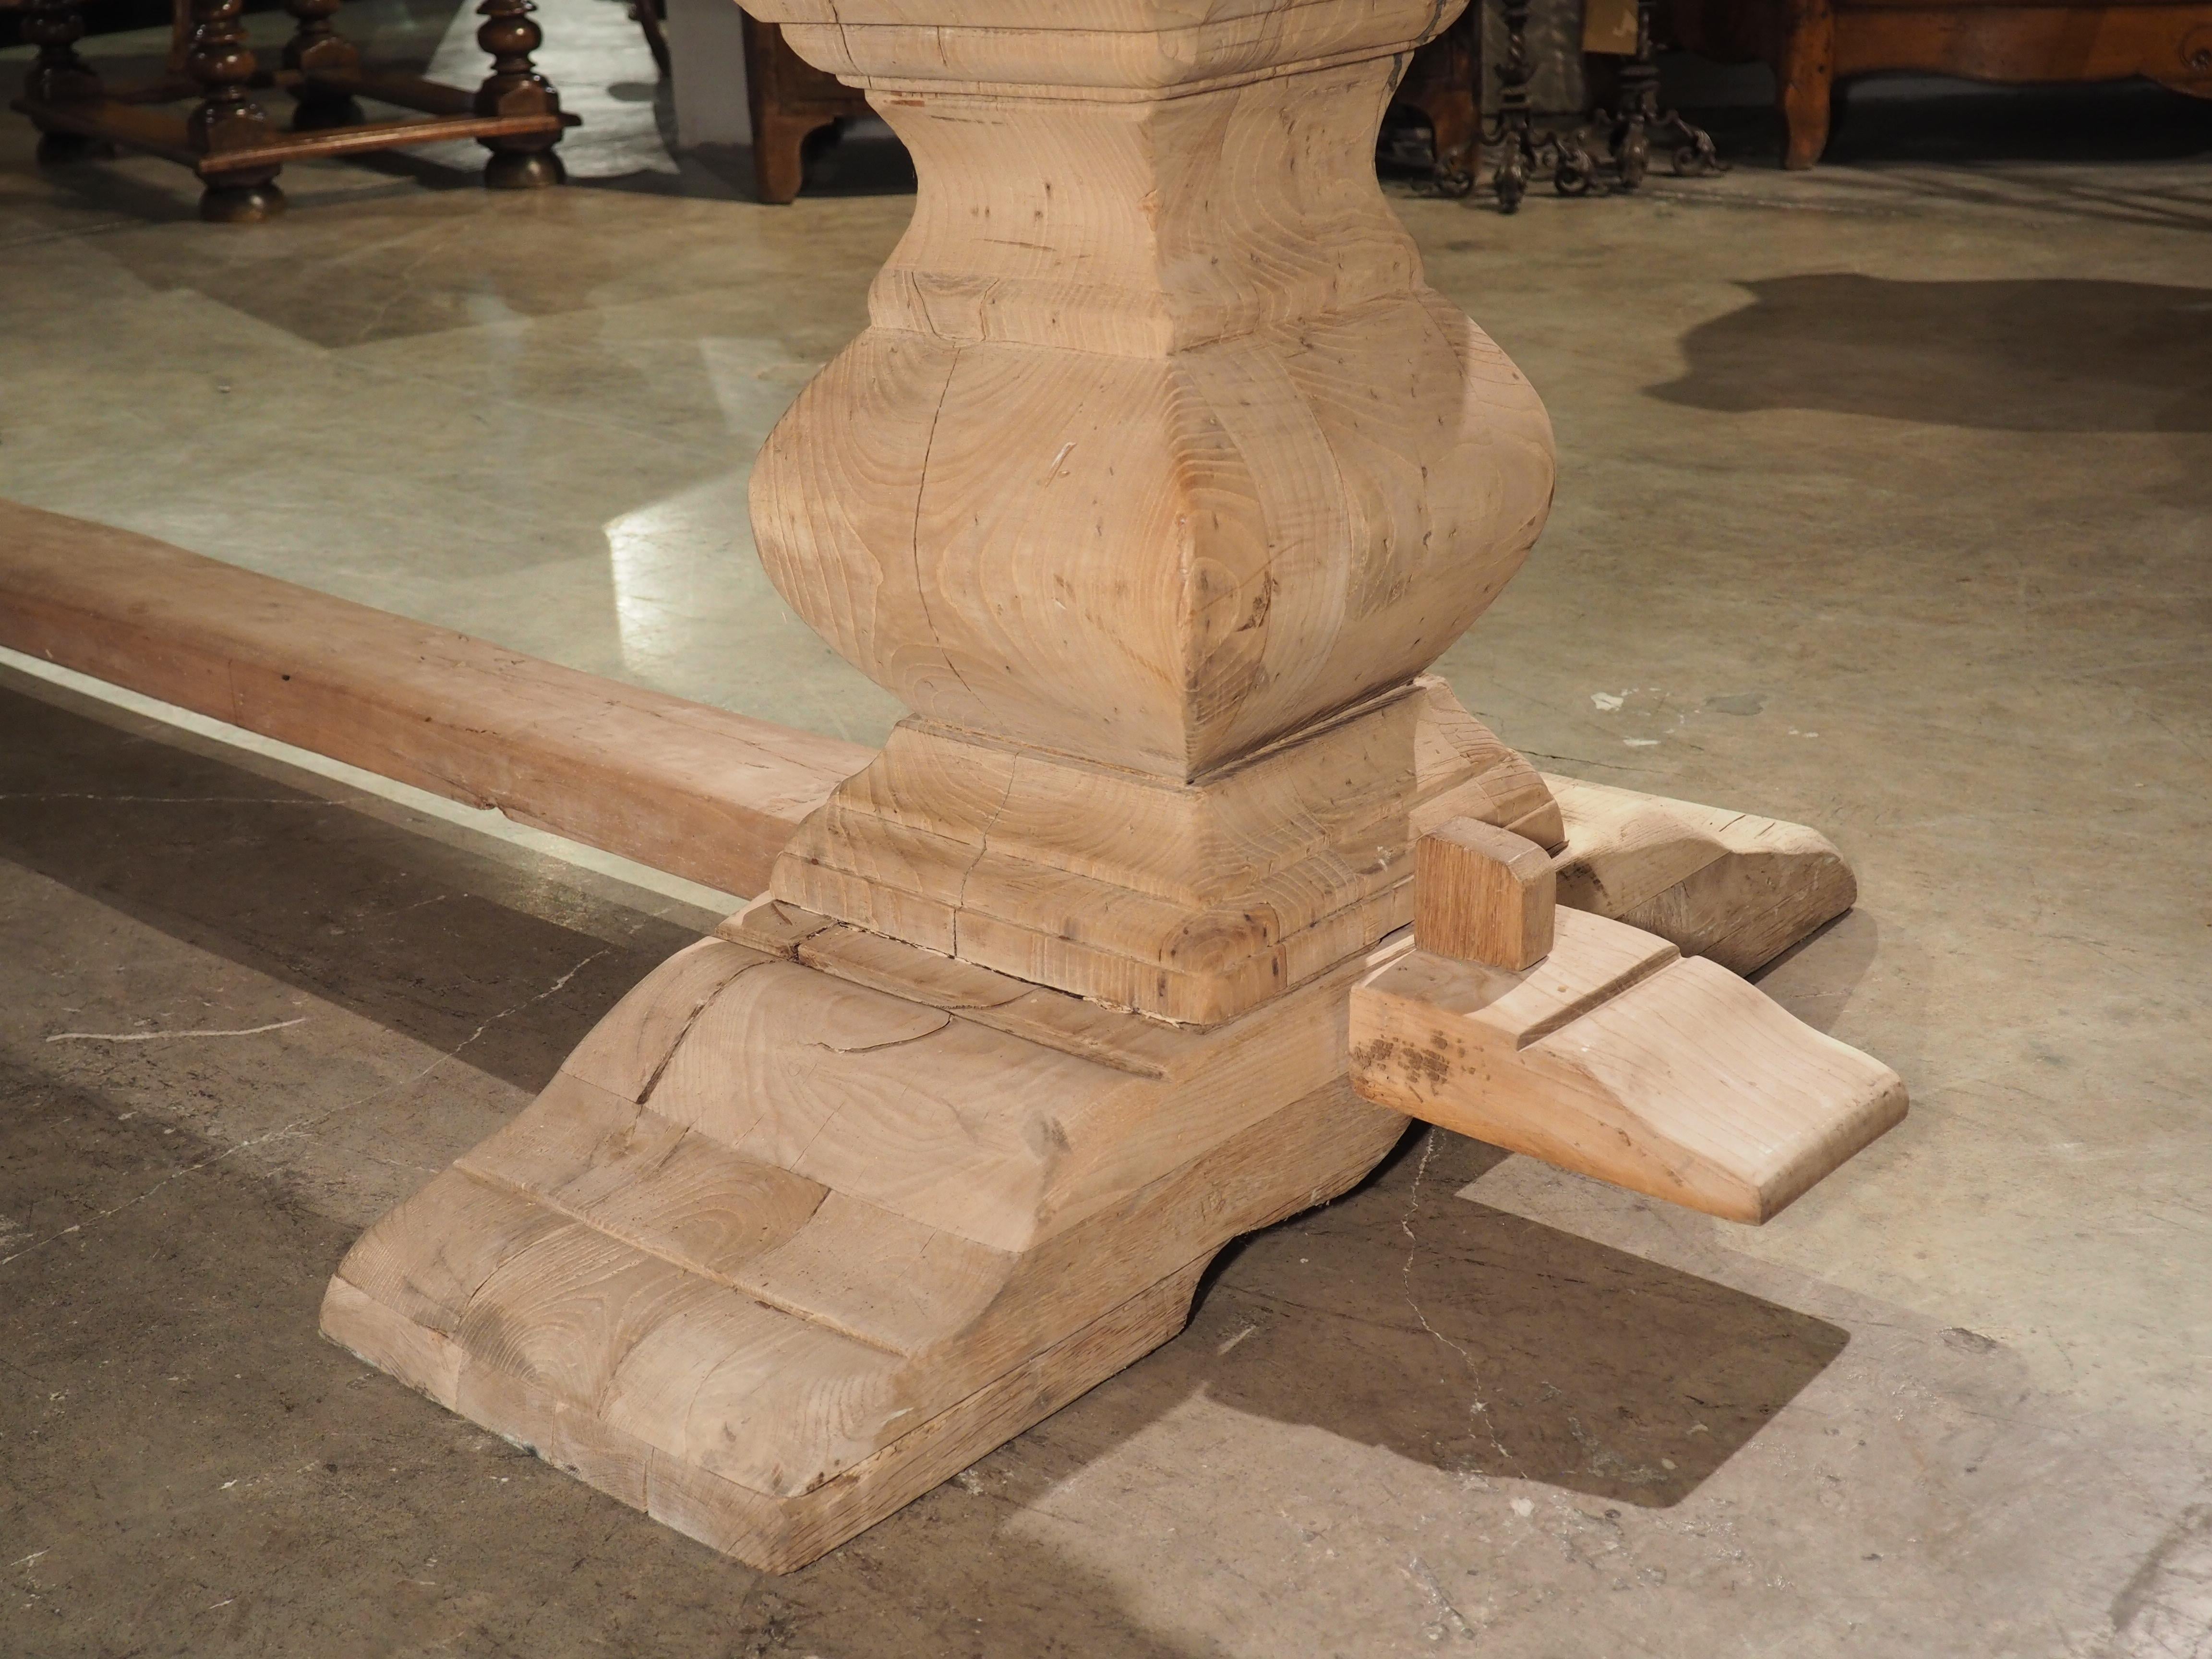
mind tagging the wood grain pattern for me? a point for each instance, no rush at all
(1617, 1058)
(1157, 477)
(892, 1074)
(1483, 894)
(1731, 886)
(755, 1303)
(677, 785)
(1193, 902)
(1460, 770)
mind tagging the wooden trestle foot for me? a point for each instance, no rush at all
(779, 1249)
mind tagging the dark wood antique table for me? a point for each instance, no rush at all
(230, 140)
(1814, 45)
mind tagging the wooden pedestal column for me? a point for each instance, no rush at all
(1156, 481)
(1157, 476)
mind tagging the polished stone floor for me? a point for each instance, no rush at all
(1884, 505)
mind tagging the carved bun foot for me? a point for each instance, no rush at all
(535, 169)
(230, 203)
(801, 1230)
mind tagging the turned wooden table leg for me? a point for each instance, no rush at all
(317, 49)
(59, 75)
(527, 161)
(228, 119)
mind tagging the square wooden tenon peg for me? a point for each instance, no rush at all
(1483, 894)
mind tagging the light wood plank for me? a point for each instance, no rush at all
(698, 791)
(1625, 1061)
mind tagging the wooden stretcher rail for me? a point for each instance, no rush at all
(368, 135)
(700, 792)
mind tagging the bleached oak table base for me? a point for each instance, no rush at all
(522, 1287)
(1158, 479)
(814, 1219)
(779, 1250)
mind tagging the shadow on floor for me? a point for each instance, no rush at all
(2059, 355)
(401, 929)
(1478, 1342)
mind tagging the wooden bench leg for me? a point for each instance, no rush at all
(316, 48)
(1804, 73)
(59, 75)
(779, 155)
(221, 64)
(525, 160)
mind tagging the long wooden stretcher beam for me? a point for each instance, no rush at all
(696, 791)
(699, 792)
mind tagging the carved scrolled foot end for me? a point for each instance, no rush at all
(1598, 1046)
(1730, 886)
(1616, 1057)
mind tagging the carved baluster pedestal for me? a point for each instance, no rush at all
(1158, 479)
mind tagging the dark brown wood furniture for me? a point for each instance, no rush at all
(790, 101)
(1813, 44)
(230, 141)
(1443, 82)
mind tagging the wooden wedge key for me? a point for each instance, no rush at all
(1610, 1055)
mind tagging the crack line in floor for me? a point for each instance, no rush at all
(300, 1126)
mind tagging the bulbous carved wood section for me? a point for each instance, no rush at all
(1158, 452)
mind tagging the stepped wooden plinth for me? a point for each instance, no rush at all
(1158, 478)
(797, 1234)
